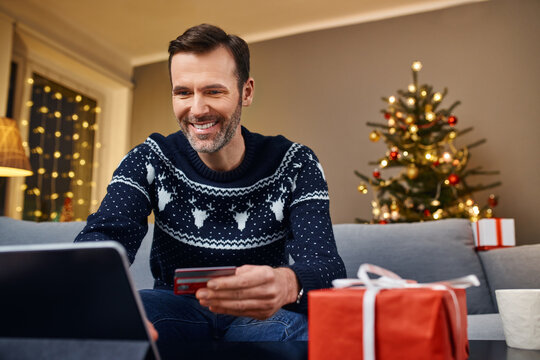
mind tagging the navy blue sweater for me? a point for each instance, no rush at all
(273, 206)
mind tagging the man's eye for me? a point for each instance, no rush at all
(182, 93)
(214, 92)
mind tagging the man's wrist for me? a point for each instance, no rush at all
(292, 286)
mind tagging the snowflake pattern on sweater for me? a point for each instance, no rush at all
(274, 206)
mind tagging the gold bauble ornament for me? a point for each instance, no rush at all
(408, 202)
(374, 136)
(409, 120)
(412, 172)
(362, 189)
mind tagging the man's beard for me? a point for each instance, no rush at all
(222, 138)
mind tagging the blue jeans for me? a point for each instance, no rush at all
(180, 318)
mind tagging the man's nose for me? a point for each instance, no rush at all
(199, 106)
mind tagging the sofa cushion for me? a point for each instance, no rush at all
(140, 269)
(512, 268)
(426, 252)
(21, 232)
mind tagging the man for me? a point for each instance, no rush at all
(222, 195)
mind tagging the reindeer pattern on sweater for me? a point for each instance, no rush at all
(275, 205)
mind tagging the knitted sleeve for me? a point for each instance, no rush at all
(312, 247)
(122, 215)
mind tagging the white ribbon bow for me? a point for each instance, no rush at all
(390, 280)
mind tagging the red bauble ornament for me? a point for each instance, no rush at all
(492, 201)
(453, 179)
(436, 163)
(376, 174)
(452, 120)
(393, 155)
(387, 115)
(427, 213)
(382, 222)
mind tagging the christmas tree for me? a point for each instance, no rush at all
(423, 175)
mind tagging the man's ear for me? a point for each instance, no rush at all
(247, 92)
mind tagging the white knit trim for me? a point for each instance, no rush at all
(236, 244)
(317, 195)
(230, 192)
(128, 181)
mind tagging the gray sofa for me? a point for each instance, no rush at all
(426, 252)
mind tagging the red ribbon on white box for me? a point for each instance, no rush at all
(390, 280)
(494, 233)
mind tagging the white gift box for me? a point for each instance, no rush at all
(494, 233)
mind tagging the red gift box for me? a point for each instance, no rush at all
(424, 322)
(494, 233)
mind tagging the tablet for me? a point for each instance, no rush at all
(70, 291)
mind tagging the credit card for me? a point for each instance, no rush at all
(189, 280)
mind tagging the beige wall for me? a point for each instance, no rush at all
(152, 107)
(321, 88)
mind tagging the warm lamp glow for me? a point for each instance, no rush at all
(13, 159)
(13, 172)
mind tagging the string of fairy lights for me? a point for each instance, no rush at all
(61, 140)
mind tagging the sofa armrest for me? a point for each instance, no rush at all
(512, 268)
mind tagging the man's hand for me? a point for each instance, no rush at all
(152, 330)
(254, 291)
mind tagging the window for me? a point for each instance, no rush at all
(9, 114)
(61, 133)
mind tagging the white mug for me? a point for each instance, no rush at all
(520, 314)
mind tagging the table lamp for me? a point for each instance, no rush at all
(13, 159)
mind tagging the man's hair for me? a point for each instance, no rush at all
(204, 38)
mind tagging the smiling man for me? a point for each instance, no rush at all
(207, 101)
(222, 196)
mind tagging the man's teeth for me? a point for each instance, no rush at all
(203, 126)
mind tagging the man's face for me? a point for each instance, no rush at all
(205, 97)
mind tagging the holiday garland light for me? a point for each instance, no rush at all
(433, 183)
(61, 146)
